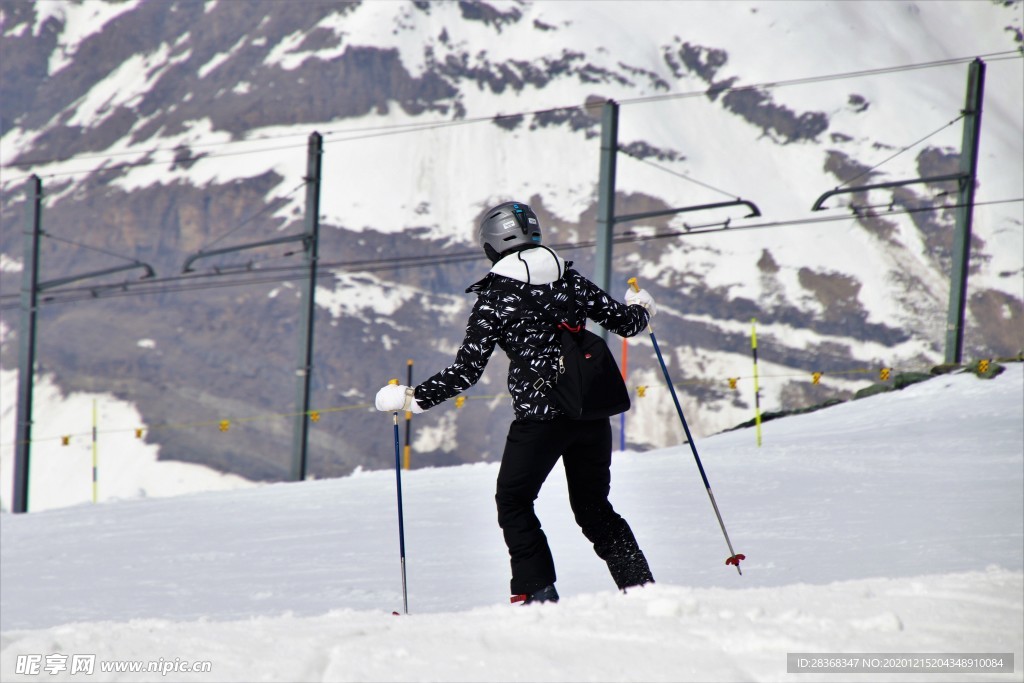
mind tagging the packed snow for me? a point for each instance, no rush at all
(892, 524)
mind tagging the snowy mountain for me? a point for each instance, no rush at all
(164, 128)
(890, 524)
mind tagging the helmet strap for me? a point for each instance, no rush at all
(492, 253)
(494, 256)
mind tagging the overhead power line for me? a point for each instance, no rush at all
(368, 132)
(901, 151)
(677, 174)
(266, 208)
(195, 281)
(73, 243)
(847, 75)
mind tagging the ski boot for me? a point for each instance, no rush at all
(546, 594)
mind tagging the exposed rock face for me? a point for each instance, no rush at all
(233, 350)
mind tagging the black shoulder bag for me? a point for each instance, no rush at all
(589, 384)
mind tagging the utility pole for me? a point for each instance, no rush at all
(304, 372)
(966, 178)
(964, 212)
(30, 289)
(27, 342)
(606, 198)
(310, 238)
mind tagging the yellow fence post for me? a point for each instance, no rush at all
(407, 460)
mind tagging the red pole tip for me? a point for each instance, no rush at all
(735, 559)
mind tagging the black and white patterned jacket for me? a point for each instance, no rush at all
(502, 316)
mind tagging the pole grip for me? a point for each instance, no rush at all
(390, 382)
(636, 288)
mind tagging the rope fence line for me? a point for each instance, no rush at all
(224, 424)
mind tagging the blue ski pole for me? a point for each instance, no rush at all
(734, 558)
(401, 523)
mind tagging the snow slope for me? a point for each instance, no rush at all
(890, 524)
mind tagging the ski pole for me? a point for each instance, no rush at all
(734, 557)
(401, 524)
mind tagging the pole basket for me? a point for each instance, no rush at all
(735, 559)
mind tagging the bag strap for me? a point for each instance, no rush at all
(556, 316)
(561, 320)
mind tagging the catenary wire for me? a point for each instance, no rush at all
(57, 238)
(287, 273)
(992, 56)
(678, 174)
(417, 127)
(901, 151)
(274, 203)
(369, 265)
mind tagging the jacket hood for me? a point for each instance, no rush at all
(535, 266)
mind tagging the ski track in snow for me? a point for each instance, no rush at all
(662, 633)
(890, 524)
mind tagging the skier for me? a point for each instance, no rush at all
(524, 271)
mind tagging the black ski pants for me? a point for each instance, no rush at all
(531, 451)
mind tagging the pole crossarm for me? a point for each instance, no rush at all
(187, 267)
(960, 177)
(754, 211)
(50, 284)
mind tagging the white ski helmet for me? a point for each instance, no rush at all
(507, 227)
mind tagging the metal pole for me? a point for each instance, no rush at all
(27, 343)
(304, 371)
(734, 557)
(401, 515)
(964, 212)
(401, 521)
(606, 198)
